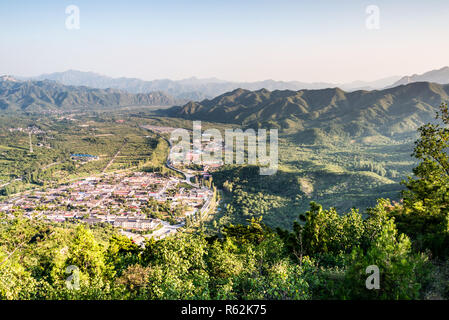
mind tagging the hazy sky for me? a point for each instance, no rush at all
(242, 40)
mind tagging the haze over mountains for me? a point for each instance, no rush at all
(49, 95)
(438, 76)
(191, 88)
(390, 113)
(197, 89)
(322, 113)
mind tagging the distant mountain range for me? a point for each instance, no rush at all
(190, 89)
(312, 114)
(194, 88)
(49, 95)
(437, 76)
(391, 113)
(199, 89)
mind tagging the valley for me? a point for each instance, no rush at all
(239, 152)
(327, 154)
(105, 175)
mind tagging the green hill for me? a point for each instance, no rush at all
(393, 112)
(50, 95)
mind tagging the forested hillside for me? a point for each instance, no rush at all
(392, 113)
(324, 256)
(46, 96)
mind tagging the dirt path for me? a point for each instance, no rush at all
(113, 158)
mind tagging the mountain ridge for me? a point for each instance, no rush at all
(440, 76)
(194, 88)
(388, 112)
(47, 95)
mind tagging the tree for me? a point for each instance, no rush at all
(399, 268)
(121, 253)
(87, 255)
(324, 232)
(425, 216)
(177, 268)
(135, 279)
(254, 233)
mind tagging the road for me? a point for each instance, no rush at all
(168, 228)
(187, 176)
(51, 165)
(113, 158)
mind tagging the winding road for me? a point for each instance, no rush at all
(187, 176)
(167, 228)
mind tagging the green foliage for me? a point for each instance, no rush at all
(400, 269)
(324, 256)
(325, 231)
(121, 253)
(425, 216)
(253, 233)
(321, 116)
(47, 96)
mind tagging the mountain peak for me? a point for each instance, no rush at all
(437, 76)
(354, 113)
(238, 91)
(44, 95)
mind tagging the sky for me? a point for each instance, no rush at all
(238, 40)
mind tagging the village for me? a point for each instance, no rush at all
(191, 162)
(141, 204)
